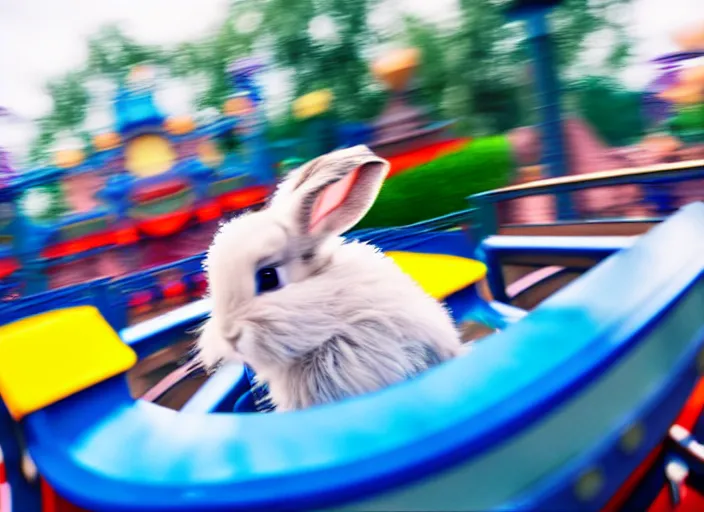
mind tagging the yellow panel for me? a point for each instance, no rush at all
(149, 155)
(48, 357)
(440, 275)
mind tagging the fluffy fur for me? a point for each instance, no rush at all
(348, 321)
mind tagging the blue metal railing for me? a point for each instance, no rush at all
(486, 220)
(112, 295)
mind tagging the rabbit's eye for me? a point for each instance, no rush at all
(269, 278)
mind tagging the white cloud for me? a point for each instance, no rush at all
(652, 25)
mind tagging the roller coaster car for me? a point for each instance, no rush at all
(590, 401)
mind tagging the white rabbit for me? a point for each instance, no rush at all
(319, 318)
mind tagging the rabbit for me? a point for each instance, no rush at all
(317, 317)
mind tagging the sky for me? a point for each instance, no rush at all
(40, 39)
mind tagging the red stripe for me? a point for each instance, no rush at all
(52, 502)
(693, 408)
(126, 236)
(8, 266)
(244, 198)
(209, 212)
(79, 245)
(175, 289)
(164, 225)
(690, 501)
(687, 419)
(624, 492)
(140, 298)
(404, 161)
(158, 190)
(49, 498)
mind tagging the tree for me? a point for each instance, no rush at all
(70, 100)
(614, 112)
(209, 57)
(478, 71)
(323, 43)
(474, 72)
(688, 123)
(111, 53)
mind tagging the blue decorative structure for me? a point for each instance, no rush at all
(179, 184)
(135, 110)
(243, 73)
(244, 76)
(534, 13)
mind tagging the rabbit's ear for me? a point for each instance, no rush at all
(339, 189)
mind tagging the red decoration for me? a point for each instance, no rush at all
(423, 155)
(8, 267)
(244, 198)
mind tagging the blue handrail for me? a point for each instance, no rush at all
(486, 218)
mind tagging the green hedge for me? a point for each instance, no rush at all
(441, 186)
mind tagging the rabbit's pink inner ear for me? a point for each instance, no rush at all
(332, 198)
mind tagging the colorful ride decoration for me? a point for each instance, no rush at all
(675, 99)
(147, 174)
(7, 169)
(401, 126)
(7, 172)
(314, 111)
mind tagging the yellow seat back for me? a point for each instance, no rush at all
(48, 357)
(440, 275)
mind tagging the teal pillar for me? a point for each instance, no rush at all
(548, 91)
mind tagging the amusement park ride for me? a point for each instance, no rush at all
(151, 175)
(586, 396)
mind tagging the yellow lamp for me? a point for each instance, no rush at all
(661, 144)
(691, 38)
(209, 154)
(180, 125)
(68, 158)
(238, 106)
(684, 94)
(106, 141)
(693, 76)
(396, 67)
(312, 104)
(149, 155)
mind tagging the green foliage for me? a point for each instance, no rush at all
(442, 186)
(474, 71)
(39, 152)
(111, 52)
(45, 202)
(338, 63)
(688, 123)
(58, 203)
(284, 127)
(478, 73)
(432, 77)
(614, 112)
(574, 20)
(211, 55)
